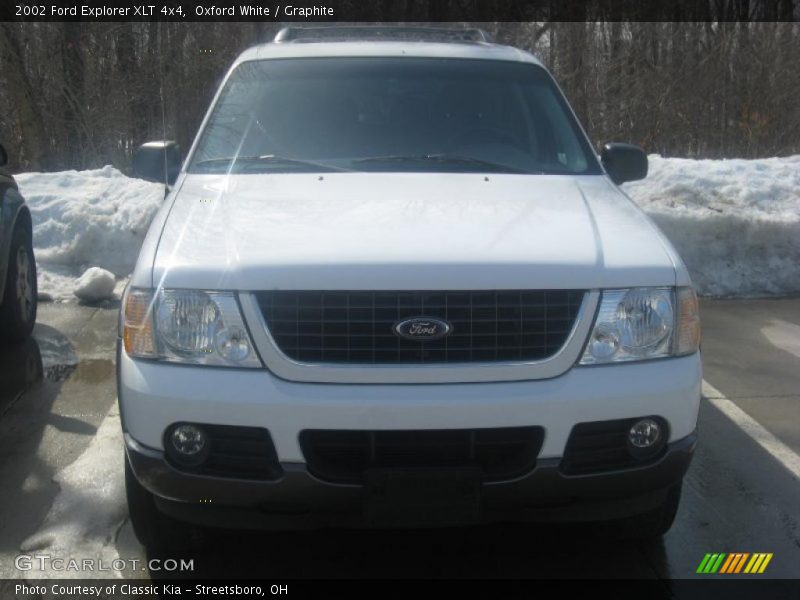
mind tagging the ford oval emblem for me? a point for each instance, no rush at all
(422, 329)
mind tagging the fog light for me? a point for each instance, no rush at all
(188, 445)
(645, 438)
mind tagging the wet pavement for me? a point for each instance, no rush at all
(56, 390)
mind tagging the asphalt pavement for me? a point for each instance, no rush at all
(740, 495)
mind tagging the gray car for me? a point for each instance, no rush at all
(17, 265)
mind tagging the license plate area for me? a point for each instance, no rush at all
(422, 496)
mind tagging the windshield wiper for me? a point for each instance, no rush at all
(268, 159)
(442, 159)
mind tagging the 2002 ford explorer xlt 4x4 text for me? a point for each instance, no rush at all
(393, 285)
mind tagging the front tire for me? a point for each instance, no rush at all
(18, 308)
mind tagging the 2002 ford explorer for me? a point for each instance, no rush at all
(393, 285)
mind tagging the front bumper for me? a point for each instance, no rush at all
(154, 395)
(298, 500)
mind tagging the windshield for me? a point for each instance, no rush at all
(391, 114)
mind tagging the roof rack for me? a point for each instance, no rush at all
(385, 33)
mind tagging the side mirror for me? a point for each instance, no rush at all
(157, 161)
(3, 156)
(624, 162)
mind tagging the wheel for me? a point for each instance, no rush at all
(646, 526)
(18, 309)
(157, 532)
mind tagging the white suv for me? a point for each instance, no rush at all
(393, 285)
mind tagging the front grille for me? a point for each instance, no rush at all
(603, 446)
(358, 327)
(236, 452)
(343, 456)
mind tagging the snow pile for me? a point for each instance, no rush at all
(86, 219)
(94, 285)
(735, 223)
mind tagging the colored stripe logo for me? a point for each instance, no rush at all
(734, 563)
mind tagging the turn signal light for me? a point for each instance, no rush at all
(137, 333)
(687, 338)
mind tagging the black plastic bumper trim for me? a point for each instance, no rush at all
(298, 500)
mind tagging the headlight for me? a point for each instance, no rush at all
(187, 326)
(187, 322)
(643, 323)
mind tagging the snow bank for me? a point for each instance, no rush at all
(86, 219)
(736, 223)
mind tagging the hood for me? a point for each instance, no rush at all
(384, 231)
